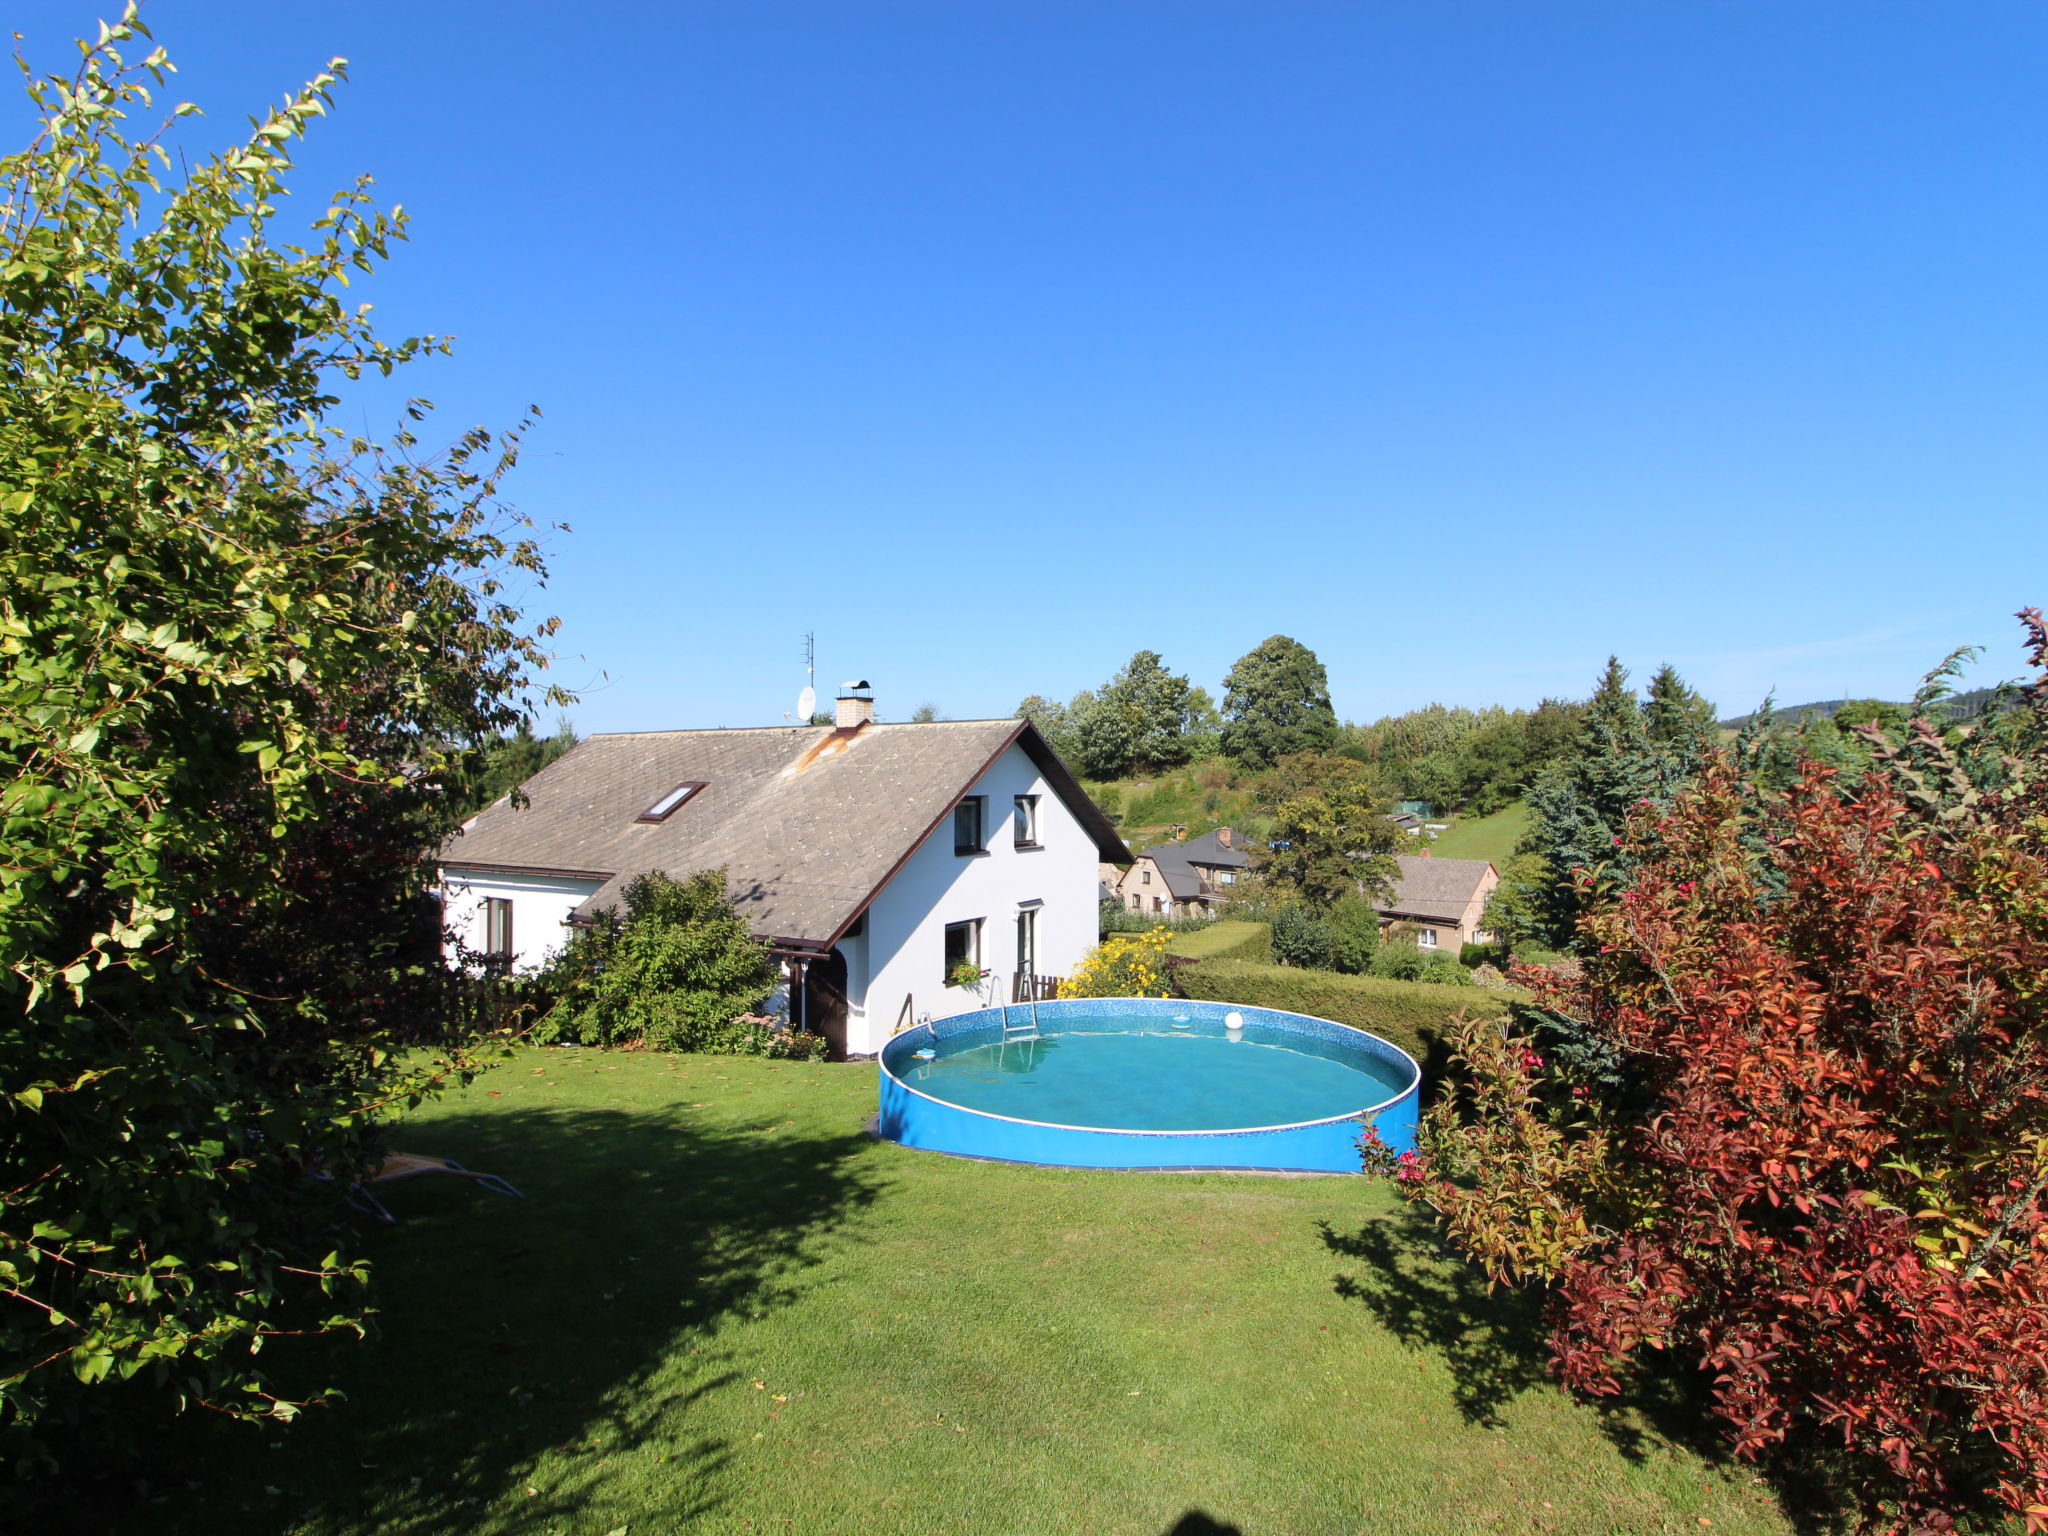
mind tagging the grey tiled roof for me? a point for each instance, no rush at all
(808, 822)
(1439, 888)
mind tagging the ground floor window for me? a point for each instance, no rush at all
(498, 927)
(1425, 938)
(963, 947)
(1027, 941)
(1157, 904)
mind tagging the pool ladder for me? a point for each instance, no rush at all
(1024, 1029)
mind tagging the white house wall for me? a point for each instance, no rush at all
(901, 952)
(541, 905)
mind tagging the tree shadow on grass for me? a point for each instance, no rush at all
(1497, 1346)
(522, 1344)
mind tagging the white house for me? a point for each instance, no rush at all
(874, 858)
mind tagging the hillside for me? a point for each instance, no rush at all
(1482, 837)
(1963, 706)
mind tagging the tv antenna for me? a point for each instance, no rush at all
(807, 701)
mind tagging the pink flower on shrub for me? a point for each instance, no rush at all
(1408, 1169)
(1531, 1062)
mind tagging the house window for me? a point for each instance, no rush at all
(1226, 877)
(1144, 877)
(963, 946)
(967, 825)
(498, 927)
(1137, 902)
(1027, 821)
(1425, 938)
(670, 803)
(1158, 905)
(1027, 941)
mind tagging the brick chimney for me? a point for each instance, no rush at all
(1223, 837)
(855, 706)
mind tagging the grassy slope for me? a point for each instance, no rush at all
(724, 1307)
(1484, 837)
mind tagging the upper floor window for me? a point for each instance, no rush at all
(1027, 821)
(1144, 877)
(1426, 939)
(1226, 877)
(967, 819)
(670, 803)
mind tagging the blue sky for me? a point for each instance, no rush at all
(1464, 342)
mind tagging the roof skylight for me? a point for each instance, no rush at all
(670, 803)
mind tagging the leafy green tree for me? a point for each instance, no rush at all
(1674, 714)
(1276, 702)
(1053, 722)
(233, 637)
(1101, 736)
(1300, 938)
(1354, 925)
(924, 714)
(677, 969)
(1330, 834)
(1204, 732)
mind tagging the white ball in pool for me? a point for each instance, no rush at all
(1233, 1020)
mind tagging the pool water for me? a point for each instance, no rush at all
(1153, 1080)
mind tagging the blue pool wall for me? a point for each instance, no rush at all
(917, 1119)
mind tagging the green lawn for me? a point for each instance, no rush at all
(725, 1308)
(1483, 837)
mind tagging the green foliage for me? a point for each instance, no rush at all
(1465, 761)
(1141, 721)
(677, 969)
(500, 764)
(1414, 1015)
(232, 638)
(1578, 807)
(1354, 924)
(1329, 833)
(1674, 715)
(1226, 940)
(1402, 959)
(1276, 703)
(1115, 917)
(1301, 938)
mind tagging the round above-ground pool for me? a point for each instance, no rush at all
(1140, 1082)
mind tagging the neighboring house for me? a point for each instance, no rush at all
(1190, 879)
(874, 858)
(1440, 903)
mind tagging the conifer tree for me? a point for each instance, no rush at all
(1674, 712)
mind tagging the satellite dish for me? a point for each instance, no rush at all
(806, 704)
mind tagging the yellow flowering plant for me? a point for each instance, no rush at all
(1123, 965)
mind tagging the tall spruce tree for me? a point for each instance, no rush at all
(1276, 702)
(1578, 807)
(1674, 712)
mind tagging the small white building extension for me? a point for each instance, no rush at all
(874, 858)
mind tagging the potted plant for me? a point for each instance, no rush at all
(965, 974)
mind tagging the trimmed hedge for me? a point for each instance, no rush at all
(1415, 1015)
(1226, 941)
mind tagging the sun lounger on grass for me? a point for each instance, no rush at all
(406, 1165)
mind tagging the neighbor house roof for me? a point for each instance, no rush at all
(1177, 863)
(1210, 849)
(1435, 888)
(809, 822)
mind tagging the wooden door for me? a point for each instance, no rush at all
(825, 1001)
